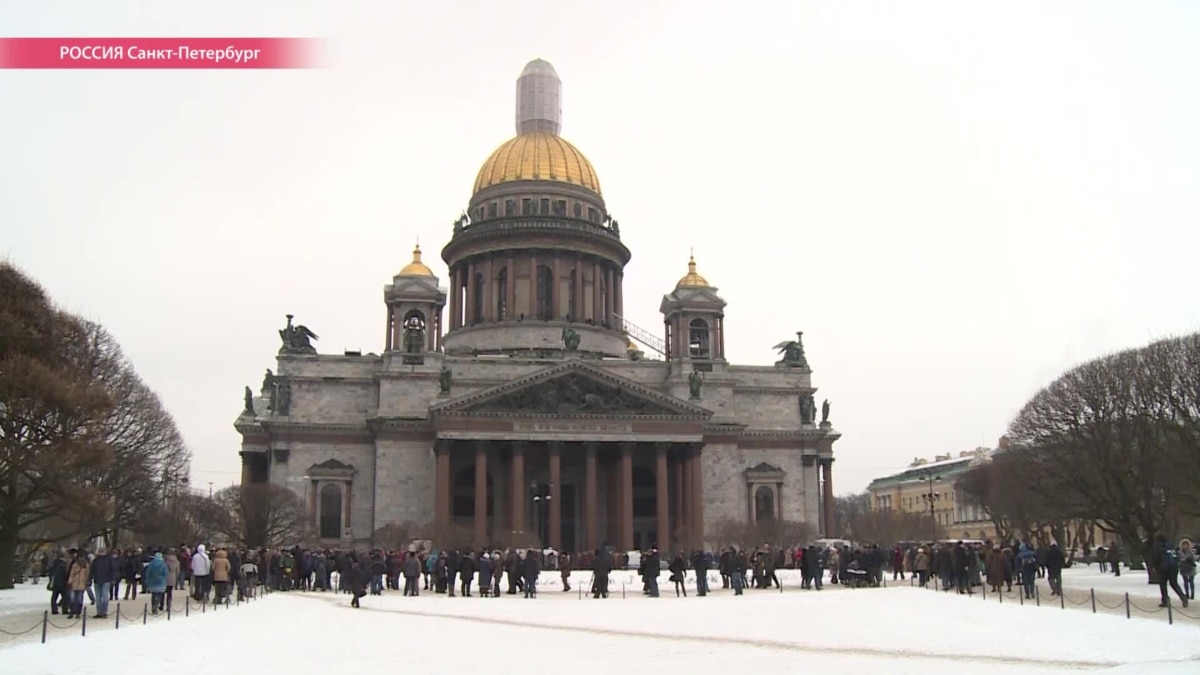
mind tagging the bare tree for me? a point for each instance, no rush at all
(50, 419)
(745, 535)
(863, 524)
(263, 515)
(147, 451)
(1114, 441)
(397, 536)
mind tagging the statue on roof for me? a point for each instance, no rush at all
(695, 382)
(249, 410)
(825, 412)
(792, 352)
(444, 377)
(570, 339)
(808, 409)
(296, 339)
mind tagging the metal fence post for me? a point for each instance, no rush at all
(45, 621)
(1037, 594)
(1126, 605)
(1170, 614)
(145, 613)
(118, 622)
(1093, 601)
(84, 631)
(1062, 598)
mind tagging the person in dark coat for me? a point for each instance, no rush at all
(1055, 562)
(531, 568)
(678, 568)
(700, 565)
(484, 566)
(466, 573)
(653, 569)
(60, 594)
(725, 565)
(565, 564)
(602, 565)
(356, 583)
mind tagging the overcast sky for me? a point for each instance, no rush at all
(955, 201)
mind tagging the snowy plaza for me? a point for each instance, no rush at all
(897, 629)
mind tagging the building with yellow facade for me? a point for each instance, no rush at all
(931, 487)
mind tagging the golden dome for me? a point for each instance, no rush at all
(537, 156)
(633, 346)
(416, 268)
(691, 278)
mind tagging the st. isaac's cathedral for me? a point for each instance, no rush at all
(516, 406)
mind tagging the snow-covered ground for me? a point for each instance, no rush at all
(895, 630)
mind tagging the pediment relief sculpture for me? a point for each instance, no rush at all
(573, 394)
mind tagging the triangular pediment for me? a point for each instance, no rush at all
(574, 388)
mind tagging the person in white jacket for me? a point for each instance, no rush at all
(201, 574)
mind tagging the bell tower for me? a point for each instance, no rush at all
(414, 311)
(694, 318)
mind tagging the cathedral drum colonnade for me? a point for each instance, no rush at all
(518, 405)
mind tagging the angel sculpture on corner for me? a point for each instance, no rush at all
(296, 339)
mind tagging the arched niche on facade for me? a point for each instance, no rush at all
(764, 490)
(331, 483)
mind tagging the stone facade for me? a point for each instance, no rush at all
(527, 413)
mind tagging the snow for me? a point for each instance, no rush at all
(896, 630)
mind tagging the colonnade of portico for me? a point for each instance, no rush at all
(538, 486)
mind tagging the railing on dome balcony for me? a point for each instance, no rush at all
(531, 222)
(642, 335)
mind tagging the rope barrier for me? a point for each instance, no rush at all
(27, 631)
(45, 624)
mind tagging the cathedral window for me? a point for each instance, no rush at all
(510, 207)
(571, 309)
(544, 207)
(578, 210)
(492, 210)
(477, 300)
(527, 207)
(698, 343)
(545, 295)
(502, 295)
(560, 207)
(593, 216)
(764, 504)
(331, 511)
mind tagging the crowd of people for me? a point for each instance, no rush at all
(217, 576)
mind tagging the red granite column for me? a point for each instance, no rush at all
(608, 297)
(441, 483)
(662, 498)
(510, 292)
(676, 496)
(489, 301)
(481, 493)
(590, 495)
(686, 515)
(517, 486)
(597, 310)
(455, 296)
(830, 516)
(554, 522)
(698, 495)
(626, 507)
(472, 289)
(556, 288)
(387, 347)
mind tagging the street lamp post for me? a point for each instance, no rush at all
(541, 502)
(931, 498)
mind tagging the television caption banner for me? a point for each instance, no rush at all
(157, 53)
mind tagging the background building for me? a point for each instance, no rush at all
(935, 482)
(514, 405)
